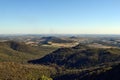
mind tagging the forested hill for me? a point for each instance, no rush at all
(12, 51)
(80, 56)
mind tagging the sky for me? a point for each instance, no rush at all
(59, 16)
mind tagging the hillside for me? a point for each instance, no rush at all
(80, 56)
(52, 39)
(81, 62)
(16, 71)
(20, 52)
(95, 73)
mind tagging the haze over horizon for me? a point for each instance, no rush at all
(59, 17)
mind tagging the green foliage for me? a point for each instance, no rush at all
(74, 63)
(45, 78)
(19, 52)
(93, 73)
(15, 71)
(80, 57)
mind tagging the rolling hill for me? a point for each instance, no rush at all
(80, 56)
(16, 71)
(12, 51)
(52, 39)
(99, 73)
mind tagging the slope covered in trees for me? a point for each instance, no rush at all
(75, 63)
(80, 56)
(95, 73)
(16, 71)
(20, 52)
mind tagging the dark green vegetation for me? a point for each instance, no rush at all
(13, 61)
(94, 73)
(80, 56)
(15, 71)
(12, 51)
(46, 63)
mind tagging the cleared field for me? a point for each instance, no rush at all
(97, 45)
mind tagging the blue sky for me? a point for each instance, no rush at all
(60, 16)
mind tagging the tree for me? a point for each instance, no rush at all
(45, 78)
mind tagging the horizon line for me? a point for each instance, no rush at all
(55, 34)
